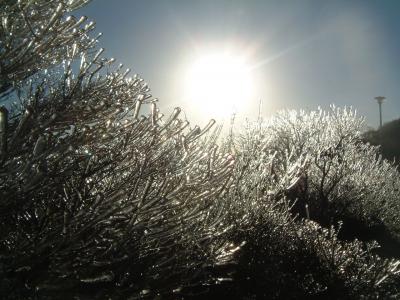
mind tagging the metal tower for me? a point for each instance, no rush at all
(380, 99)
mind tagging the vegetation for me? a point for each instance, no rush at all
(102, 197)
(387, 138)
(320, 159)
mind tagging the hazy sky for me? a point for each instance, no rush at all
(307, 53)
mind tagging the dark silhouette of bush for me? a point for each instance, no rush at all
(99, 200)
(387, 138)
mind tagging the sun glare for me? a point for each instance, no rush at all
(219, 85)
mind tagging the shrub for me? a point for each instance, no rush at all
(284, 256)
(386, 139)
(101, 200)
(96, 199)
(319, 160)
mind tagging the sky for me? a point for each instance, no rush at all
(303, 54)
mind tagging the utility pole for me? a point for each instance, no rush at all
(380, 99)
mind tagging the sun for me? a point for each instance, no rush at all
(219, 84)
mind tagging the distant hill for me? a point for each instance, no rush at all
(388, 137)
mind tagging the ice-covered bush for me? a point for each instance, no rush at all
(284, 257)
(102, 197)
(97, 196)
(325, 166)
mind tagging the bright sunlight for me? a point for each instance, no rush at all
(219, 84)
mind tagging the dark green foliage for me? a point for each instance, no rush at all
(387, 138)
